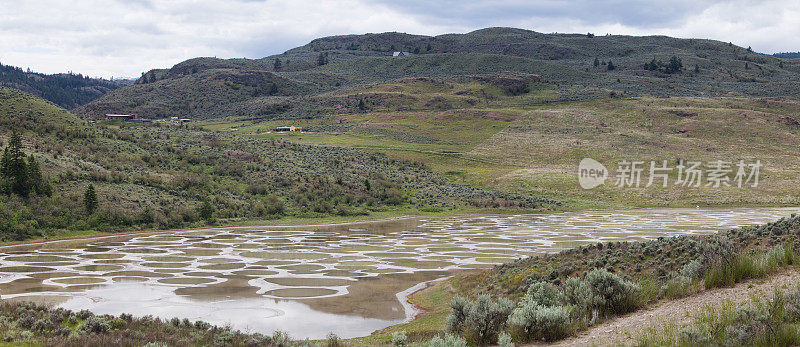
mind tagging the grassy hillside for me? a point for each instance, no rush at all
(575, 67)
(161, 176)
(492, 138)
(66, 90)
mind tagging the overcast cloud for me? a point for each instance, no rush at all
(126, 37)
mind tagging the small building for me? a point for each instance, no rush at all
(289, 128)
(401, 54)
(122, 117)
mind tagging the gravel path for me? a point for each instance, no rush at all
(625, 330)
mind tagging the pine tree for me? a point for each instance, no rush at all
(4, 162)
(277, 65)
(361, 105)
(15, 169)
(611, 66)
(428, 47)
(90, 199)
(36, 181)
(596, 62)
(273, 89)
(675, 65)
(322, 59)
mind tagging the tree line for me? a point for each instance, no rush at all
(67, 90)
(19, 174)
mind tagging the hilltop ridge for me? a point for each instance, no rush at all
(578, 67)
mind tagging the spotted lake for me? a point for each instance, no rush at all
(311, 280)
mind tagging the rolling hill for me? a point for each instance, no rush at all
(576, 67)
(67, 90)
(162, 176)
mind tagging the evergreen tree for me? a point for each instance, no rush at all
(273, 89)
(4, 163)
(15, 169)
(611, 66)
(361, 105)
(277, 65)
(675, 65)
(696, 68)
(36, 181)
(428, 47)
(322, 59)
(90, 199)
(596, 62)
(653, 66)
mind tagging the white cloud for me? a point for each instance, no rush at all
(124, 37)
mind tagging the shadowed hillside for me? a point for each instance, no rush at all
(66, 90)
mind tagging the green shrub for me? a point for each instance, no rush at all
(504, 340)
(96, 324)
(446, 340)
(531, 321)
(745, 266)
(758, 323)
(479, 321)
(544, 294)
(399, 339)
(611, 293)
(679, 286)
(224, 338)
(693, 269)
(578, 294)
(332, 340)
(792, 304)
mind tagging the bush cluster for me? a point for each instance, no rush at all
(565, 292)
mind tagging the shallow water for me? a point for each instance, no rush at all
(310, 281)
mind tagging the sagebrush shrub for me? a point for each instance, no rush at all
(399, 339)
(694, 269)
(792, 304)
(224, 338)
(544, 294)
(95, 324)
(531, 321)
(611, 293)
(678, 286)
(504, 340)
(578, 294)
(479, 321)
(445, 340)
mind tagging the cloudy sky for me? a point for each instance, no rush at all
(123, 38)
